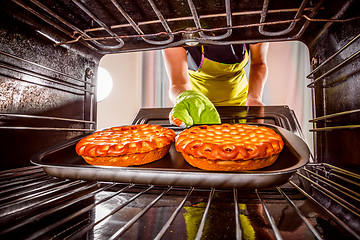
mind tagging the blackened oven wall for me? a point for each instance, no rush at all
(43, 88)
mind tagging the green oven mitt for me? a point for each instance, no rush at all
(191, 108)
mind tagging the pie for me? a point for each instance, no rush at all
(229, 147)
(126, 145)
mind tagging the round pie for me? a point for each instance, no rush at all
(126, 145)
(229, 147)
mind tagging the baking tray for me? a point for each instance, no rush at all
(172, 170)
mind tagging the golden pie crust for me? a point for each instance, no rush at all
(229, 147)
(126, 145)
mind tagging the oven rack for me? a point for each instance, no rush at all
(167, 31)
(30, 200)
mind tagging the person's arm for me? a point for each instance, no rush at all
(177, 69)
(190, 107)
(258, 73)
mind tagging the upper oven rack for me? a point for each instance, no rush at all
(163, 25)
(30, 192)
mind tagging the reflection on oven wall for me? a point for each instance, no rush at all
(140, 80)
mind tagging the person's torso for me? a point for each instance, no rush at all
(218, 72)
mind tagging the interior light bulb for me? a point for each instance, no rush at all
(104, 84)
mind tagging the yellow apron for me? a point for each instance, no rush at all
(224, 84)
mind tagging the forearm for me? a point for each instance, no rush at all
(258, 73)
(177, 70)
(257, 78)
(175, 90)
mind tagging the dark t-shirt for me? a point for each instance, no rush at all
(224, 54)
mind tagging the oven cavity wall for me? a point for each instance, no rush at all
(46, 91)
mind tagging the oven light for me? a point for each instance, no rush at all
(104, 84)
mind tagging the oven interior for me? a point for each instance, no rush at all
(50, 51)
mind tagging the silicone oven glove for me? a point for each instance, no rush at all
(191, 108)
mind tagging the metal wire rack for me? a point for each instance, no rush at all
(34, 205)
(166, 29)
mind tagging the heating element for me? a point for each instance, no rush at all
(109, 26)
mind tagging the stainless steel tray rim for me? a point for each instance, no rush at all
(172, 171)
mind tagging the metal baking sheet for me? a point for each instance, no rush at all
(172, 170)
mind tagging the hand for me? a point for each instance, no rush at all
(191, 108)
(256, 111)
(254, 102)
